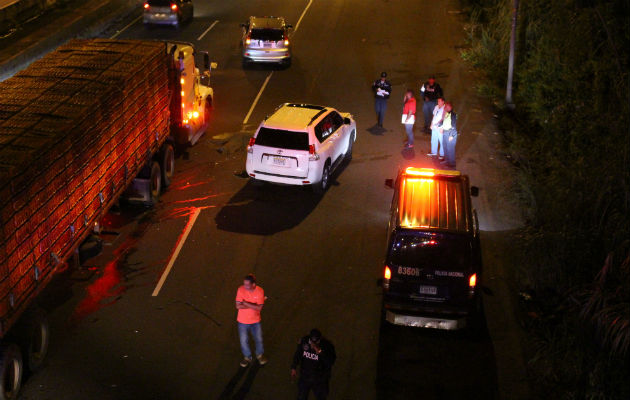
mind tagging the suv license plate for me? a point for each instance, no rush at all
(428, 290)
(279, 161)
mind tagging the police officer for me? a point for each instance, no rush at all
(382, 90)
(315, 356)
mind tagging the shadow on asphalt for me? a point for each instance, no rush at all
(228, 392)
(376, 130)
(265, 209)
(416, 363)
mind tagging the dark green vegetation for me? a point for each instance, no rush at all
(569, 138)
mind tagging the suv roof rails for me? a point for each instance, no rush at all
(316, 116)
(309, 106)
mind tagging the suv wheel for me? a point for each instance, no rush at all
(323, 184)
(350, 145)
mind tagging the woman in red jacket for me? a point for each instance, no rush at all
(409, 116)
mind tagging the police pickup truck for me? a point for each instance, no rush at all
(432, 270)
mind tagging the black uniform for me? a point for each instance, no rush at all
(382, 91)
(386, 89)
(431, 93)
(315, 369)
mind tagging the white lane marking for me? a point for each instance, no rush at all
(262, 89)
(208, 30)
(180, 244)
(302, 16)
(125, 28)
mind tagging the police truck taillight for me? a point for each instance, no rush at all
(472, 284)
(146, 6)
(472, 281)
(387, 275)
(174, 7)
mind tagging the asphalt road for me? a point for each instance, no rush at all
(317, 257)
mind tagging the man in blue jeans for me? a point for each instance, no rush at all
(436, 134)
(249, 302)
(449, 134)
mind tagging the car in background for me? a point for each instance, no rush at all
(266, 40)
(167, 12)
(301, 144)
(432, 271)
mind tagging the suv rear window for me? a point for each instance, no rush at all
(282, 139)
(269, 35)
(449, 252)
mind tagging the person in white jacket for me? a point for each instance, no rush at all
(436, 135)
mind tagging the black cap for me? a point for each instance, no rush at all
(315, 335)
(383, 74)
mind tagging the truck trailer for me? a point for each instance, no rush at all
(86, 124)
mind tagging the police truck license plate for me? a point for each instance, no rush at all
(428, 290)
(279, 161)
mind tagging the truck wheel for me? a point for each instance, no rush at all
(11, 371)
(34, 337)
(167, 164)
(321, 187)
(156, 183)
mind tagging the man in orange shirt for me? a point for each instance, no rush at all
(249, 302)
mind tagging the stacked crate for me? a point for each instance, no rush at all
(75, 129)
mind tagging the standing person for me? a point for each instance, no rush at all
(409, 116)
(449, 134)
(382, 90)
(436, 135)
(430, 90)
(315, 356)
(249, 302)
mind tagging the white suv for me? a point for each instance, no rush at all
(301, 144)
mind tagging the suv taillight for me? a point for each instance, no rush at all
(286, 40)
(248, 39)
(146, 6)
(313, 156)
(250, 145)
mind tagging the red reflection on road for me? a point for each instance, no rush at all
(197, 199)
(106, 289)
(190, 185)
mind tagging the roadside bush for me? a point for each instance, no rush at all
(571, 136)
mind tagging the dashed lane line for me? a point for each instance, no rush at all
(180, 244)
(207, 30)
(114, 36)
(262, 89)
(302, 16)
